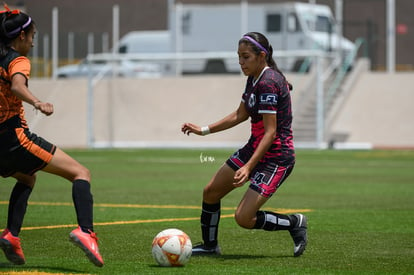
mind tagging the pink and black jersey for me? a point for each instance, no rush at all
(270, 94)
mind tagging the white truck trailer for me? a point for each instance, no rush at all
(216, 28)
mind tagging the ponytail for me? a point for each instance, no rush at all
(260, 43)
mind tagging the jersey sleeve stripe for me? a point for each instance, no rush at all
(267, 112)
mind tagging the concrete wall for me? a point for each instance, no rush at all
(379, 110)
(149, 112)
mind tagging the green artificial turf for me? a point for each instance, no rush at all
(359, 206)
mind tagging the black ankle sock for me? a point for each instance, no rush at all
(83, 200)
(17, 207)
(210, 217)
(270, 221)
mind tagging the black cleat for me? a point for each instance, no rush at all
(201, 249)
(299, 235)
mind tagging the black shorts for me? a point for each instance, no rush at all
(267, 176)
(22, 151)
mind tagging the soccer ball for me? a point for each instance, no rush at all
(171, 247)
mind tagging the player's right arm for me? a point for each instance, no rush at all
(231, 120)
(227, 122)
(19, 89)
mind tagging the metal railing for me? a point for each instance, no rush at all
(93, 80)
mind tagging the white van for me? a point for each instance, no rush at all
(146, 42)
(149, 42)
(218, 27)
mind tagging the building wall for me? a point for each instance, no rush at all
(367, 19)
(362, 18)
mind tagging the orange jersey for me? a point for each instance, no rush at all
(10, 65)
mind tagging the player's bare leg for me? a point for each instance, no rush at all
(219, 186)
(248, 215)
(83, 236)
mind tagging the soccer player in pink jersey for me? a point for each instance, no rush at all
(267, 158)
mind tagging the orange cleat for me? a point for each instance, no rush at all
(88, 243)
(11, 247)
(4, 233)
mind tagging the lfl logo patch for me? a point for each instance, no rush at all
(268, 99)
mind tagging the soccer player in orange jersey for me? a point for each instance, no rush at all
(23, 153)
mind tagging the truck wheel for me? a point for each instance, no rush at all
(215, 67)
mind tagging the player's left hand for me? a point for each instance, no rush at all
(241, 176)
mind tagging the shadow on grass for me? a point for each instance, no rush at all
(225, 257)
(166, 267)
(221, 257)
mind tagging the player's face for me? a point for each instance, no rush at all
(250, 63)
(25, 42)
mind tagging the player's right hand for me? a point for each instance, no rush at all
(188, 128)
(45, 107)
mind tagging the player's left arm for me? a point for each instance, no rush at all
(269, 122)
